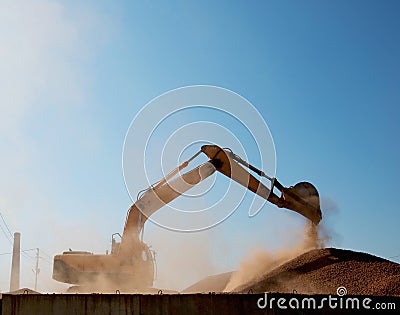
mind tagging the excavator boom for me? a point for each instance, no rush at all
(157, 197)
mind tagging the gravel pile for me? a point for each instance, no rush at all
(214, 283)
(322, 271)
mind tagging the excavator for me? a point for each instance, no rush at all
(130, 266)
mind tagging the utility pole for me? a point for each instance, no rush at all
(37, 270)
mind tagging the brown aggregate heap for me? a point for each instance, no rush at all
(322, 271)
(215, 283)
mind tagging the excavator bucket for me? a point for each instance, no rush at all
(304, 199)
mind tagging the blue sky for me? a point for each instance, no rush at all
(324, 76)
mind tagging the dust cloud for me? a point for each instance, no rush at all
(182, 258)
(261, 261)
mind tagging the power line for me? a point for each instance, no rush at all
(27, 255)
(45, 260)
(9, 235)
(43, 252)
(36, 269)
(21, 251)
(9, 231)
(24, 253)
(6, 235)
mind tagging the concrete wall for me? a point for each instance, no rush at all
(191, 304)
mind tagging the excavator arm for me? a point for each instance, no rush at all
(302, 198)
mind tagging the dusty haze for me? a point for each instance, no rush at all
(260, 261)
